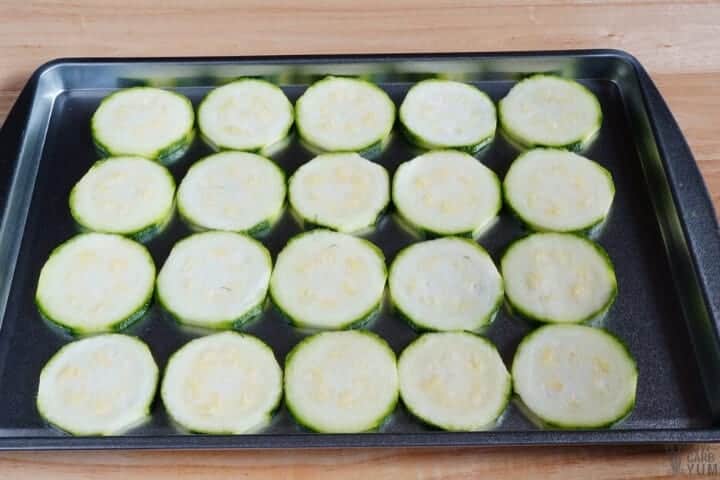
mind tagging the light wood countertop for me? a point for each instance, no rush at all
(677, 41)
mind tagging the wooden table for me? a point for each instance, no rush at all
(678, 41)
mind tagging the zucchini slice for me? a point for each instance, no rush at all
(146, 122)
(446, 284)
(101, 385)
(557, 190)
(454, 381)
(226, 383)
(129, 196)
(96, 282)
(341, 191)
(558, 278)
(341, 382)
(550, 111)
(574, 376)
(447, 192)
(235, 191)
(325, 279)
(339, 114)
(440, 114)
(248, 114)
(215, 279)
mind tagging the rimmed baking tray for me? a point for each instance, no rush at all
(662, 235)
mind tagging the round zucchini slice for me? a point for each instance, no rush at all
(574, 376)
(215, 279)
(226, 383)
(440, 114)
(96, 282)
(129, 196)
(557, 190)
(325, 279)
(446, 284)
(146, 122)
(558, 278)
(235, 191)
(550, 111)
(101, 385)
(447, 193)
(341, 382)
(339, 114)
(248, 114)
(341, 191)
(454, 381)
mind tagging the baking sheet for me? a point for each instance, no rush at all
(663, 243)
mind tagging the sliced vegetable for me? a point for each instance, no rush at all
(146, 122)
(446, 284)
(248, 114)
(440, 114)
(454, 381)
(234, 191)
(341, 382)
(574, 376)
(550, 111)
(557, 190)
(227, 383)
(344, 115)
(325, 279)
(102, 385)
(96, 282)
(558, 278)
(447, 193)
(342, 191)
(215, 279)
(130, 196)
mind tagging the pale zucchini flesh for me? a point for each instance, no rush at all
(326, 279)
(446, 284)
(248, 114)
(341, 191)
(215, 279)
(574, 376)
(340, 114)
(447, 192)
(226, 383)
(129, 196)
(146, 122)
(234, 191)
(557, 190)
(341, 382)
(558, 278)
(96, 282)
(101, 385)
(441, 114)
(550, 111)
(454, 381)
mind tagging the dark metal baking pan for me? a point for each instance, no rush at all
(662, 235)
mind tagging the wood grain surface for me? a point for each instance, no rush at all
(678, 41)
